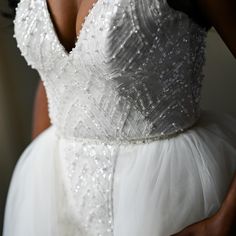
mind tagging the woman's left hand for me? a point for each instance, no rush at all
(216, 225)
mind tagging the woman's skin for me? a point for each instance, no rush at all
(222, 15)
(41, 119)
(68, 17)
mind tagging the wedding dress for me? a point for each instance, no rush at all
(129, 151)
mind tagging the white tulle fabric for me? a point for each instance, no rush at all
(159, 187)
(129, 152)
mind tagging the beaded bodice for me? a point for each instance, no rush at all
(135, 71)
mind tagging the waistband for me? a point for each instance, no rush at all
(122, 141)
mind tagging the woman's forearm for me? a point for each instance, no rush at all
(41, 119)
(228, 208)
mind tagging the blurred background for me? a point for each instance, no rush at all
(17, 87)
(18, 84)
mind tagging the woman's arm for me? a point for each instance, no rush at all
(228, 208)
(41, 119)
(222, 223)
(222, 15)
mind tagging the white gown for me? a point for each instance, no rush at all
(129, 151)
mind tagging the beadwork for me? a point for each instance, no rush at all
(90, 171)
(134, 75)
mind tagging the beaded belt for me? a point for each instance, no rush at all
(123, 141)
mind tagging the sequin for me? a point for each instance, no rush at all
(134, 76)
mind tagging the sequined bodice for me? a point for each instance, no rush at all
(135, 71)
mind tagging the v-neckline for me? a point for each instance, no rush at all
(78, 37)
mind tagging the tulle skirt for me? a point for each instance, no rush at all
(153, 189)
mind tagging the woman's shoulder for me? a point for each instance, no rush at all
(192, 9)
